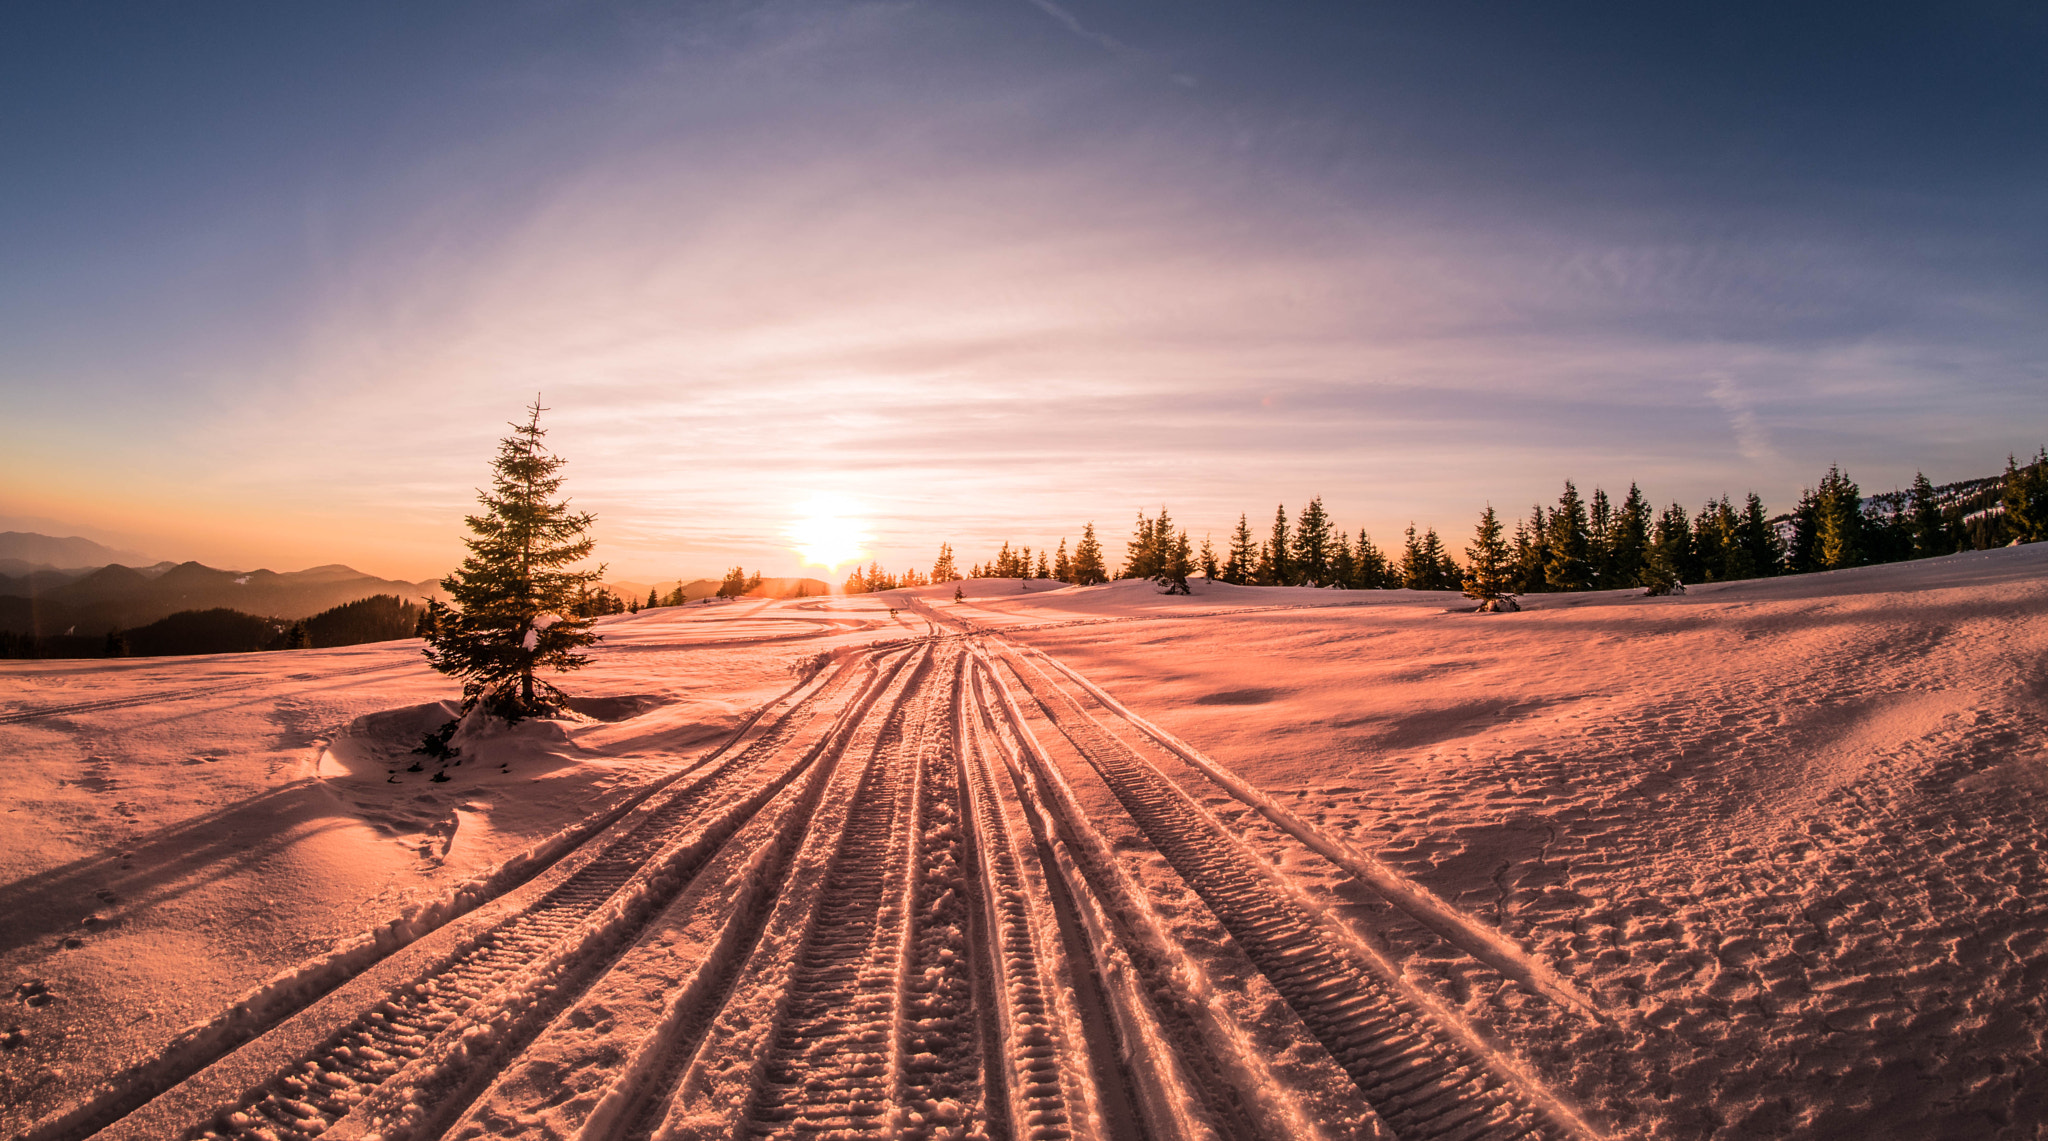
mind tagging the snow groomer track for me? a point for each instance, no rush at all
(944, 889)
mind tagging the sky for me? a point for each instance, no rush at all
(274, 278)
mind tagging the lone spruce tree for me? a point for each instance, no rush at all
(514, 600)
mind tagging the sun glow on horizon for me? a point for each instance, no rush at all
(828, 533)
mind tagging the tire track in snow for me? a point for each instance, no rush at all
(20, 715)
(651, 859)
(291, 994)
(1035, 1030)
(654, 1002)
(737, 1077)
(842, 1058)
(1424, 1082)
(636, 1103)
(1199, 1070)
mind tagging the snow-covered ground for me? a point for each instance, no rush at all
(1761, 860)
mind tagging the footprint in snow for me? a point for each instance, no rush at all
(35, 992)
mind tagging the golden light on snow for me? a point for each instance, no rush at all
(829, 533)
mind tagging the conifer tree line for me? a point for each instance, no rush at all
(738, 581)
(1580, 543)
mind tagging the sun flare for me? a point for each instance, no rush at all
(829, 533)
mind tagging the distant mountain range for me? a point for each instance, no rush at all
(51, 602)
(25, 552)
(51, 586)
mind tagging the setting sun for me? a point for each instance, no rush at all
(828, 533)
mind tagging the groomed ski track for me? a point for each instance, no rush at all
(945, 889)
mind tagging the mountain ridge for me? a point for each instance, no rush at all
(36, 551)
(116, 596)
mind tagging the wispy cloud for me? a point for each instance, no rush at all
(1074, 25)
(993, 301)
(1750, 437)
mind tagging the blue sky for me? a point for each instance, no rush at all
(272, 277)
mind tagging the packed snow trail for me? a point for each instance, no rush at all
(1045, 1083)
(886, 911)
(1418, 1079)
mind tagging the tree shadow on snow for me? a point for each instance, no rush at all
(84, 896)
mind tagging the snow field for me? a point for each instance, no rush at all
(1752, 863)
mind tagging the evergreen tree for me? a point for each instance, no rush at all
(1175, 561)
(734, 584)
(117, 643)
(1839, 537)
(1486, 560)
(1803, 553)
(1629, 547)
(1088, 566)
(1717, 544)
(1209, 567)
(1151, 546)
(1043, 570)
(1442, 571)
(1930, 535)
(512, 594)
(1671, 553)
(1343, 563)
(1243, 560)
(430, 619)
(1418, 571)
(1371, 569)
(652, 600)
(1759, 540)
(1600, 532)
(2024, 495)
(1570, 544)
(1141, 554)
(942, 567)
(1532, 552)
(1659, 575)
(1277, 566)
(1062, 566)
(1313, 545)
(1894, 540)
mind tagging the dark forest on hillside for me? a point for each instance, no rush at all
(222, 630)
